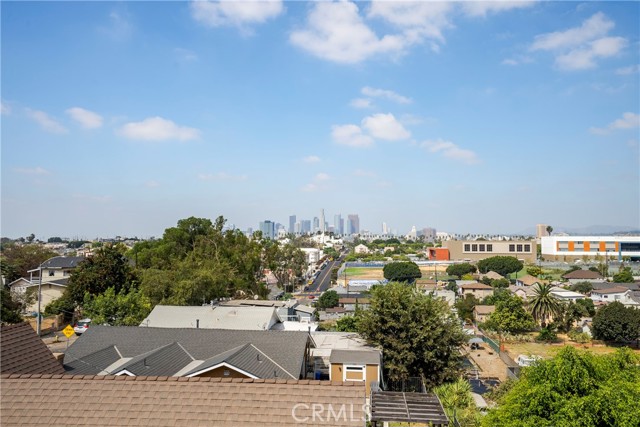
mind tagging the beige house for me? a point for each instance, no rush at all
(361, 249)
(362, 366)
(479, 290)
(528, 280)
(482, 312)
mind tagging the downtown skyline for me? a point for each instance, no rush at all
(123, 118)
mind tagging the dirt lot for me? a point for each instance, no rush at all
(489, 362)
(549, 350)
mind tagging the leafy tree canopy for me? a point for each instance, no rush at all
(574, 388)
(460, 270)
(615, 322)
(10, 309)
(582, 287)
(464, 306)
(117, 309)
(510, 316)
(402, 272)
(418, 334)
(16, 260)
(329, 299)
(624, 276)
(503, 265)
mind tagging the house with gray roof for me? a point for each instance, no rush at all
(258, 318)
(134, 351)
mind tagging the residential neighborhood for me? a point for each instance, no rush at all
(332, 213)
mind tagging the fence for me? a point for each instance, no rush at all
(513, 369)
(49, 324)
(412, 384)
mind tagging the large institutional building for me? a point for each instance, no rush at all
(572, 247)
(475, 250)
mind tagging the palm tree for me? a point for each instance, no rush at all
(549, 229)
(544, 305)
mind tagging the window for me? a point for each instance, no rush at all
(467, 247)
(519, 248)
(489, 248)
(527, 248)
(474, 248)
(481, 248)
(512, 248)
(52, 273)
(353, 373)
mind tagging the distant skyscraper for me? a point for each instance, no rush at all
(297, 227)
(323, 224)
(292, 224)
(385, 229)
(429, 233)
(268, 229)
(338, 224)
(353, 224)
(316, 224)
(305, 226)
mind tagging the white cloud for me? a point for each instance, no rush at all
(628, 120)
(385, 126)
(32, 171)
(119, 27)
(451, 151)
(152, 184)
(578, 48)
(88, 119)
(482, 8)
(319, 182)
(336, 32)
(517, 60)
(46, 122)
(387, 94)
(158, 129)
(240, 14)
(625, 71)
(221, 176)
(361, 103)
(350, 135)
(4, 108)
(311, 159)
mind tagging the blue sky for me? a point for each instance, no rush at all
(120, 118)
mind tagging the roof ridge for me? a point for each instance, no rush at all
(271, 360)
(6, 376)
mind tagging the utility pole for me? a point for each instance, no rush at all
(39, 321)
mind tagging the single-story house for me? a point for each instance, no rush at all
(619, 293)
(565, 295)
(527, 280)
(350, 303)
(491, 275)
(357, 366)
(582, 276)
(129, 350)
(523, 292)
(212, 317)
(361, 249)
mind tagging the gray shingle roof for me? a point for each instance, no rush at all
(91, 363)
(63, 262)
(367, 357)
(167, 359)
(285, 348)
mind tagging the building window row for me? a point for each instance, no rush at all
(478, 247)
(519, 248)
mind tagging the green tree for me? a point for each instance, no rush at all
(582, 287)
(569, 314)
(534, 270)
(575, 388)
(543, 305)
(549, 230)
(17, 260)
(458, 403)
(587, 303)
(615, 322)
(10, 309)
(287, 263)
(500, 283)
(349, 323)
(107, 268)
(329, 299)
(402, 272)
(464, 306)
(417, 333)
(624, 275)
(503, 265)
(117, 309)
(460, 270)
(510, 317)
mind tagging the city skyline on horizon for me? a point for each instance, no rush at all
(467, 117)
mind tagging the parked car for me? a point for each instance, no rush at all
(523, 360)
(81, 326)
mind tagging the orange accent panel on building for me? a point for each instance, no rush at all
(617, 246)
(572, 246)
(603, 247)
(439, 254)
(587, 246)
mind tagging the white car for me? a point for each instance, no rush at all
(81, 326)
(523, 360)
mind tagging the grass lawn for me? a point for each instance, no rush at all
(363, 273)
(549, 350)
